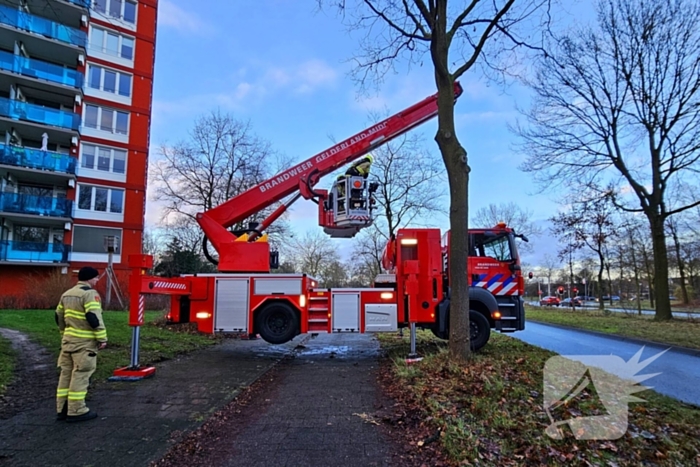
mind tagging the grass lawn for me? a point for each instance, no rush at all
(7, 363)
(682, 332)
(491, 411)
(156, 343)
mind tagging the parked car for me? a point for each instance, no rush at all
(568, 302)
(606, 298)
(549, 301)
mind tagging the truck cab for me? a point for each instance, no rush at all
(417, 265)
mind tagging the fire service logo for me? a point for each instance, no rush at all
(591, 393)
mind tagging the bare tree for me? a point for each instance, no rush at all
(152, 243)
(624, 97)
(368, 250)
(550, 266)
(313, 253)
(588, 223)
(221, 158)
(454, 38)
(334, 274)
(515, 217)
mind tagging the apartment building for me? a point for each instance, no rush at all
(76, 80)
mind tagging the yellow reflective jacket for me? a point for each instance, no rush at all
(79, 318)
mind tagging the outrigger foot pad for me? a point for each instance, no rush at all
(133, 374)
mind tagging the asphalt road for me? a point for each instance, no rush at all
(679, 372)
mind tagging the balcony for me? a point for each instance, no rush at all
(80, 3)
(35, 205)
(32, 252)
(40, 69)
(18, 110)
(42, 26)
(37, 159)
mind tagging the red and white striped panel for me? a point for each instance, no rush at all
(142, 307)
(359, 218)
(169, 285)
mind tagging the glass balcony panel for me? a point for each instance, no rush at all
(40, 69)
(82, 3)
(19, 110)
(37, 159)
(36, 205)
(34, 252)
(42, 26)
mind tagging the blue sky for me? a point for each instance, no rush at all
(284, 66)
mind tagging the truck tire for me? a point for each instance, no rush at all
(479, 330)
(277, 323)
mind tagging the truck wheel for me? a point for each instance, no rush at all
(277, 323)
(479, 330)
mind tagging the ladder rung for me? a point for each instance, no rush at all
(318, 321)
(318, 309)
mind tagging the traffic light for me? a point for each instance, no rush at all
(529, 275)
(561, 290)
(575, 291)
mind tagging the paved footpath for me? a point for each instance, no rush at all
(138, 421)
(319, 413)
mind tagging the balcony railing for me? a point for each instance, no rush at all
(19, 110)
(36, 205)
(34, 252)
(39, 69)
(37, 159)
(42, 26)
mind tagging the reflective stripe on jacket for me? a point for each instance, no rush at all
(79, 318)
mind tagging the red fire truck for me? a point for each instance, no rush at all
(243, 297)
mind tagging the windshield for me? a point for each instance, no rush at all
(497, 246)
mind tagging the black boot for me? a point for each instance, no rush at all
(60, 416)
(89, 415)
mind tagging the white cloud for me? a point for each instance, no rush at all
(171, 15)
(313, 74)
(245, 89)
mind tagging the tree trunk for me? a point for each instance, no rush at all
(607, 268)
(635, 269)
(658, 241)
(681, 268)
(650, 275)
(601, 305)
(455, 160)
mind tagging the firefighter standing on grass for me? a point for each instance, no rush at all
(79, 318)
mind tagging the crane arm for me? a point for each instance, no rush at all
(303, 176)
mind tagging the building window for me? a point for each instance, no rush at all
(111, 43)
(110, 120)
(124, 10)
(92, 239)
(100, 199)
(26, 238)
(107, 80)
(102, 158)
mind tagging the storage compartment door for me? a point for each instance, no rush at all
(345, 312)
(231, 313)
(380, 317)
